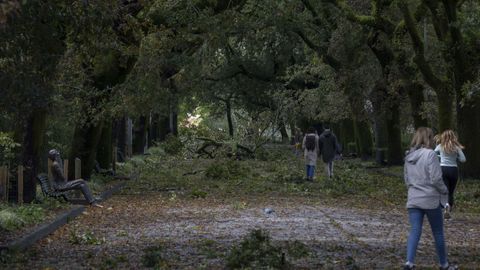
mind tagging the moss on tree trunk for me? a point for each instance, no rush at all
(363, 139)
(84, 146)
(140, 131)
(415, 95)
(445, 111)
(33, 140)
(394, 139)
(105, 149)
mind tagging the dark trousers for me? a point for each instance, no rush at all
(78, 184)
(450, 178)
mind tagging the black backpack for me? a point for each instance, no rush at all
(310, 142)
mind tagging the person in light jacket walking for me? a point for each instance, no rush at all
(427, 194)
(450, 151)
(311, 151)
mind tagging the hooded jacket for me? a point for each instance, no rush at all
(310, 156)
(423, 177)
(328, 146)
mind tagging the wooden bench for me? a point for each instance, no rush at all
(48, 190)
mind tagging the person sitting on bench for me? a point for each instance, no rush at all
(61, 184)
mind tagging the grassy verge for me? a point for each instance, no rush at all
(467, 193)
(278, 174)
(14, 218)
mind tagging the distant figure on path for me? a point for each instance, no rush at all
(450, 151)
(427, 194)
(297, 141)
(61, 184)
(329, 148)
(311, 151)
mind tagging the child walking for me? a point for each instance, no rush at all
(450, 151)
(311, 151)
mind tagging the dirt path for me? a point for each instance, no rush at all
(196, 234)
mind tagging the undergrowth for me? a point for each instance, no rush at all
(256, 251)
(14, 217)
(283, 175)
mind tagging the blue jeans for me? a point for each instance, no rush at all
(310, 171)
(435, 218)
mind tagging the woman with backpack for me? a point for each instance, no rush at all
(427, 194)
(450, 151)
(311, 151)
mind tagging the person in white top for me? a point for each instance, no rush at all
(450, 151)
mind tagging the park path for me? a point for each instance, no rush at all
(195, 234)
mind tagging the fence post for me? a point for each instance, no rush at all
(78, 168)
(65, 169)
(3, 183)
(20, 184)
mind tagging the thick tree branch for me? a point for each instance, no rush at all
(320, 51)
(418, 47)
(440, 24)
(375, 20)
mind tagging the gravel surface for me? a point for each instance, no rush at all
(197, 234)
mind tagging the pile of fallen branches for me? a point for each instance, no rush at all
(210, 148)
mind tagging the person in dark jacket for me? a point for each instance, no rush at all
(329, 148)
(61, 184)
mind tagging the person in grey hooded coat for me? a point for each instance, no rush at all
(311, 149)
(427, 195)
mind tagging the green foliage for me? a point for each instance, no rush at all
(13, 218)
(198, 194)
(172, 145)
(7, 147)
(153, 257)
(256, 251)
(272, 153)
(297, 250)
(113, 263)
(209, 248)
(226, 169)
(86, 238)
(10, 221)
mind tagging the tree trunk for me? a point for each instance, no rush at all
(378, 97)
(154, 129)
(445, 111)
(363, 139)
(164, 127)
(139, 140)
(104, 151)
(173, 122)
(84, 146)
(468, 121)
(120, 135)
(415, 95)
(229, 118)
(347, 136)
(32, 146)
(395, 152)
